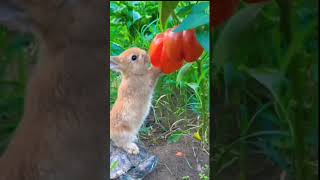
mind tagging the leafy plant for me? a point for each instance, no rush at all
(263, 69)
(14, 71)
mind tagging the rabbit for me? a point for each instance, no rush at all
(134, 96)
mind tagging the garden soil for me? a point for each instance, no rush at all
(172, 167)
(195, 158)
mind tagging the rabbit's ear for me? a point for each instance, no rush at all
(114, 64)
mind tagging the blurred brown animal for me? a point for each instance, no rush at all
(62, 134)
(134, 96)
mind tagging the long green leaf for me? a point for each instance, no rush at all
(203, 36)
(166, 8)
(233, 31)
(182, 73)
(193, 21)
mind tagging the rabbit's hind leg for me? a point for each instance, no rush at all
(126, 142)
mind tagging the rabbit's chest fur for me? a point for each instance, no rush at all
(133, 103)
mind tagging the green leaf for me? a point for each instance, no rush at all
(203, 37)
(268, 118)
(274, 154)
(135, 16)
(193, 86)
(198, 17)
(296, 44)
(193, 21)
(233, 31)
(226, 164)
(182, 72)
(116, 49)
(114, 165)
(166, 8)
(175, 137)
(269, 78)
(184, 10)
(201, 8)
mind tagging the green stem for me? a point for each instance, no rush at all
(285, 20)
(199, 69)
(243, 160)
(296, 113)
(298, 121)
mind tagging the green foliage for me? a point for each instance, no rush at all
(166, 8)
(175, 137)
(198, 16)
(233, 32)
(204, 175)
(185, 177)
(114, 165)
(13, 79)
(264, 65)
(198, 19)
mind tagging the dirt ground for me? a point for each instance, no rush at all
(194, 159)
(172, 167)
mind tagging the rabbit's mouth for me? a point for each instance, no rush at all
(114, 64)
(144, 58)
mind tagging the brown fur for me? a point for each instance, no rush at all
(134, 97)
(62, 133)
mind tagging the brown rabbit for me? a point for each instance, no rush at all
(134, 96)
(62, 134)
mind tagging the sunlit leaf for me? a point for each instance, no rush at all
(197, 136)
(193, 21)
(203, 36)
(183, 72)
(135, 16)
(201, 8)
(116, 49)
(185, 10)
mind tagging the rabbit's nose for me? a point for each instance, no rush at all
(144, 58)
(147, 57)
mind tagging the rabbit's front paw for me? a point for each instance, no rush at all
(132, 148)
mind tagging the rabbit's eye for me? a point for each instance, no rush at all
(134, 57)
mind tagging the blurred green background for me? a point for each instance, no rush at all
(265, 73)
(17, 57)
